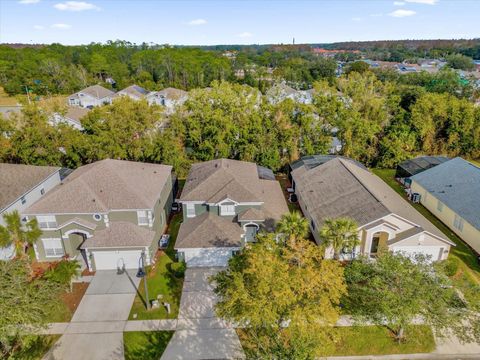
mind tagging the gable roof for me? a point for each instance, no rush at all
(105, 185)
(133, 90)
(95, 91)
(340, 187)
(120, 233)
(18, 179)
(172, 93)
(456, 183)
(76, 113)
(208, 230)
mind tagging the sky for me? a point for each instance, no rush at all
(235, 22)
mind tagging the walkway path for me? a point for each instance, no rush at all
(96, 328)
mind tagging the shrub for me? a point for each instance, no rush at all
(451, 266)
(63, 272)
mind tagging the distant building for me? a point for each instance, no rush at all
(72, 117)
(168, 97)
(451, 192)
(91, 96)
(134, 92)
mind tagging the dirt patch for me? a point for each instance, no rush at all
(87, 272)
(72, 299)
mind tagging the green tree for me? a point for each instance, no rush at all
(17, 234)
(25, 305)
(287, 295)
(63, 273)
(395, 290)
(459, 61)
(294, 226)
(341, 234)
(357, 66)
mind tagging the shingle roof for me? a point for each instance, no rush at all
(340, 187)
(17, 179)
(120, 234)
(134, 90)
(209, 230)
(96, 91)
(76, 113)
(215, 180)
(105, 185)
(251, 214)
(173, 93)
(456, 183)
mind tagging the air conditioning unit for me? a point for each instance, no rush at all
(415, 197)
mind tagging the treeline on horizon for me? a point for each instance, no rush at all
(58, 69)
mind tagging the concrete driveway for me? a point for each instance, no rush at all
(107, 302)
(200, 334)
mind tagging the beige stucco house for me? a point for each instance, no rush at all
(451, 191)
(333, 187)
(105, 214)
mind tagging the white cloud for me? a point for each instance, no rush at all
(376, 15)
(426, 2)
(38, 27)
(197, 22)
(61, 26)
(26, 2)
(398, 3)
(75, 6)
(357, 19)
(245, 34)
(402, 13)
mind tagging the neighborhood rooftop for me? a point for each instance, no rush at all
(16, 180)
(105, 185)
(456, 183)
(96, 91)
(340, 187)
(417, 165)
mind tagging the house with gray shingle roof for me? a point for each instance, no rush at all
(91, 96)
(20, 187)
(105, 214)
(168, 97)
(451, 192)
(334, 187)
(134, 92)
(225, 203)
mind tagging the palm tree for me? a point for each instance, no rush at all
(340, 234)
(293, 225)
(18, 234)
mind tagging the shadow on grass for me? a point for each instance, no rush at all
(139, 294)
(145, 345)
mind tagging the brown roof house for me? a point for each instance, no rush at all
(20, 187)
(225, 203)
(91, 96)
(341, 187)
(105, 214)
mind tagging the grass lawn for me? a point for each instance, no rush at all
(145, 345)
(369, 340)
(164, 278)
(37, 348)
(467, 278)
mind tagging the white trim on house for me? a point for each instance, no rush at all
(66, 234)
(72, 222)
(190, 210)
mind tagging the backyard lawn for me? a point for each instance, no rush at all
(370, 340)
(145, 345)
(467, 278)
(165, 278)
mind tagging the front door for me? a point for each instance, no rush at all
(250, 233)
(374, 247)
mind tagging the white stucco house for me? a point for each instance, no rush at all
(20, 187)
(334, 186)
(225, 203)
(168, 97)
(91, 96)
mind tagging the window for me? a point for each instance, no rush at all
(23, 200)
(190, 210)
(439, 206)
(42, 191)
(227, 210)
(47, 222)
(53, 247)
(142, 216)
(458, 222)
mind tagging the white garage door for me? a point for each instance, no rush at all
(433, 252)
(111, 260)
(207, 257)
